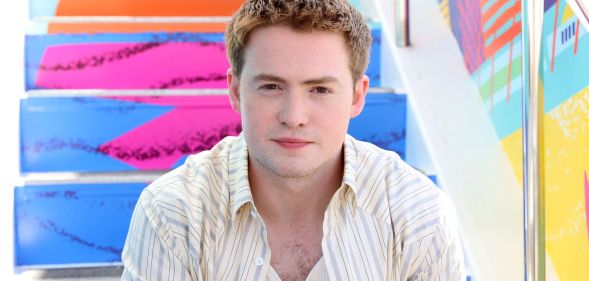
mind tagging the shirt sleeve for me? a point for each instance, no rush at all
(440, 256)
(448, 265)
(151, 252)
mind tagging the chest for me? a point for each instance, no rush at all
(293, 259)
(352, 249)
(295, 251)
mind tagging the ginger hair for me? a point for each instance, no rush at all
(305, 16)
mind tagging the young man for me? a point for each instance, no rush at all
(293, 197)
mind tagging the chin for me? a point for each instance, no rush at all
(289, 168)
(291, 174)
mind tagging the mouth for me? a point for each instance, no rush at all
(291, 142)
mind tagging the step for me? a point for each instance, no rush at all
(132, 8)
(69, 225)
(138, 133)
(146, 60)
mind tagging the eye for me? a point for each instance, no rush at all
(269, 87)
(321, 90)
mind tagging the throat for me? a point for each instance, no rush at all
(286, 199)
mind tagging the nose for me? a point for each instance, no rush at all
(293, 111)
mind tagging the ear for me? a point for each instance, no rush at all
(233, 84)
(360, 90)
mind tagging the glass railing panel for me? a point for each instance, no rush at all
(564, 86)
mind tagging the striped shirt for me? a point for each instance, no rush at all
(386, 222)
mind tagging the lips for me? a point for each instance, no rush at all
(292, 142)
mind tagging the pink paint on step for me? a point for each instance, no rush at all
(195, 125)
(133, 66)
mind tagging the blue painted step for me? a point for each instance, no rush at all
(57, 225)
(130, 134)
(153, 60)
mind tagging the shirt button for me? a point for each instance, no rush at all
(259, 261)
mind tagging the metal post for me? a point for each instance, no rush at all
(533, 109)
(401, 23)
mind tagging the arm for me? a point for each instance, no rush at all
(445, 265)
(440, 256)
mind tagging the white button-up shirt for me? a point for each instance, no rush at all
(387, 221)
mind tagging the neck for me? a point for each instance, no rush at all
(289, 200)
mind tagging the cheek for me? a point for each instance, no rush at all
(256, 115)
(333, 123)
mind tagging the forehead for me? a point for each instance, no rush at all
(282, 50)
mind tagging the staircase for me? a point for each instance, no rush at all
(118, 93)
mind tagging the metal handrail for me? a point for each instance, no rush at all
(533, 109)
(401, 13)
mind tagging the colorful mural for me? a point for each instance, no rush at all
(489, 35)
(565, 77)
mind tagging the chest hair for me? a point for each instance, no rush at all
(294, 260)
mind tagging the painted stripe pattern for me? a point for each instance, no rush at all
(386, 222)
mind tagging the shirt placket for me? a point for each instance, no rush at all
(262, 260)
(329, 232)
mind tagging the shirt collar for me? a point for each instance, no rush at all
(350, 172)
(239, 187)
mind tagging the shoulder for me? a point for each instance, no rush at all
(386, 170)
(422, 219)
(418, 207)
(188, 194)
(203, 168)
(415, 204)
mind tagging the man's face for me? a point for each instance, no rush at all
(296, 96)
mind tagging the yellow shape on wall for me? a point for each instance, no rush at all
(567, 158)
(566, 140)
(567, 14)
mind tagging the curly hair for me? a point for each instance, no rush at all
(303, 15)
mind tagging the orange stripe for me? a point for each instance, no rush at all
(577, 40)
(134, 27)
(491, 11)
(147, 7)
(554, 36)
(507, 36)
(483, 3)
(501, 20)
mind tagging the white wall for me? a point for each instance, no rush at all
(13, 15)
(465, 151)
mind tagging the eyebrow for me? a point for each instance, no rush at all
(274, 78)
